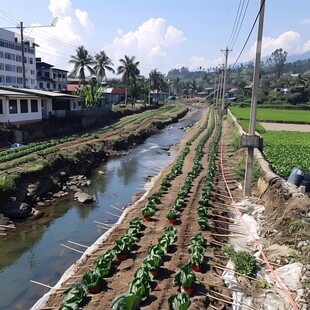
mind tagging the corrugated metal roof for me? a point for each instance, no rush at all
(38, 92)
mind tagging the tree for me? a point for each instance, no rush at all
(156, 81)
(103, 63)
(82, 60)
(91, 94)
(129, 70)
(277, 61)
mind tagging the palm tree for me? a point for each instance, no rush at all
(103, 63)
(129, 70)
(156, 81)
(81, 60)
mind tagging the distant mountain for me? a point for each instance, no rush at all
(292, 58)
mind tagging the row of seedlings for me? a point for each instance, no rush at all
(179, 202)
(93, 280)
(206, 190)
(150, 208)
(140, 287)
(185, 278)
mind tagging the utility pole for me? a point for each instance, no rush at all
(226, 52)
(219, 88)
(250, 154)
(22, 27)
(23, 53)
(215, 76)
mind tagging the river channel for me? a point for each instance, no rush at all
(34, 252)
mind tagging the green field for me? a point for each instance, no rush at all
(289, 116)
(286, 150)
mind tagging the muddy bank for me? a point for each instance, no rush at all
(33, 187)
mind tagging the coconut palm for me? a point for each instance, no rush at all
(82, 60)
(129, 70)
(102, 63)
(156, 81)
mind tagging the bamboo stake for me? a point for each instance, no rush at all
(103, 223)
(241, 302)
(238, 284)
(229, 269)
(81, 245)
(222, 216)
(71, 248)
(42, 284)
(227, 235)
(217, 242)
(102, 227)
(220, 286)
(226, 229)
(221, 195)
(8, 226)
(218, 221)
(48, 308)
(228, 302)
(113, 214)
(116, 208)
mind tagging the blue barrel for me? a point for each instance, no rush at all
(296, 176)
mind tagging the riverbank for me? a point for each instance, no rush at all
(35, 183)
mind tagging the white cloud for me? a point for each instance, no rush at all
(152, 43)
(83, 18)
(59, 7)
(195, 62)
(287, 41)
(304, 48)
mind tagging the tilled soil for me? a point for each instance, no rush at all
(187, 226)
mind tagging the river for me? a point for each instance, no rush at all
(34, 252)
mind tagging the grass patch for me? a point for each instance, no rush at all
(7, 182)
(289, 116)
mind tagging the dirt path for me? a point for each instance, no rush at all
(187, 226)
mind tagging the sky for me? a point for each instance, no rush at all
(161, 34)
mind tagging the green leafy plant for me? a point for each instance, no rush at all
(91, 278)
(185, 277)
(147, 212)
(141, 287)
(180, 301)
(244, 262)
(172, 214)
(125, 302)
(75, 294)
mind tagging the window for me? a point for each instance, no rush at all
(24, 106)
(47, 74)
(1, 107)
(13, 106)
(40, 85)
(18, 58)
(34, 105)
(48, 85)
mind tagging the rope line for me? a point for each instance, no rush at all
(257, 243)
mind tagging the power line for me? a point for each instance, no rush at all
(234, 26)
(246, 8)
(246, 41)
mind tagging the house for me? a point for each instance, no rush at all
(114, 95)
(50, 78)
(11, 70)
(21, 106)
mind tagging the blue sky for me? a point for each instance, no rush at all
(162, 34)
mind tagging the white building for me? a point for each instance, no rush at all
(11, 71)
(24, 106)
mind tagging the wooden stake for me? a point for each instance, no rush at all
(42, 284)
(227, 235)
(81, 245)
(110, 225)
(242, 303)
(71, 248)
(229, 302)
(216, 275)
(224, 287)
(222, 216)
(113, 214)
(103, 227)
(229, 269)
(8, 226)
(116, 208)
